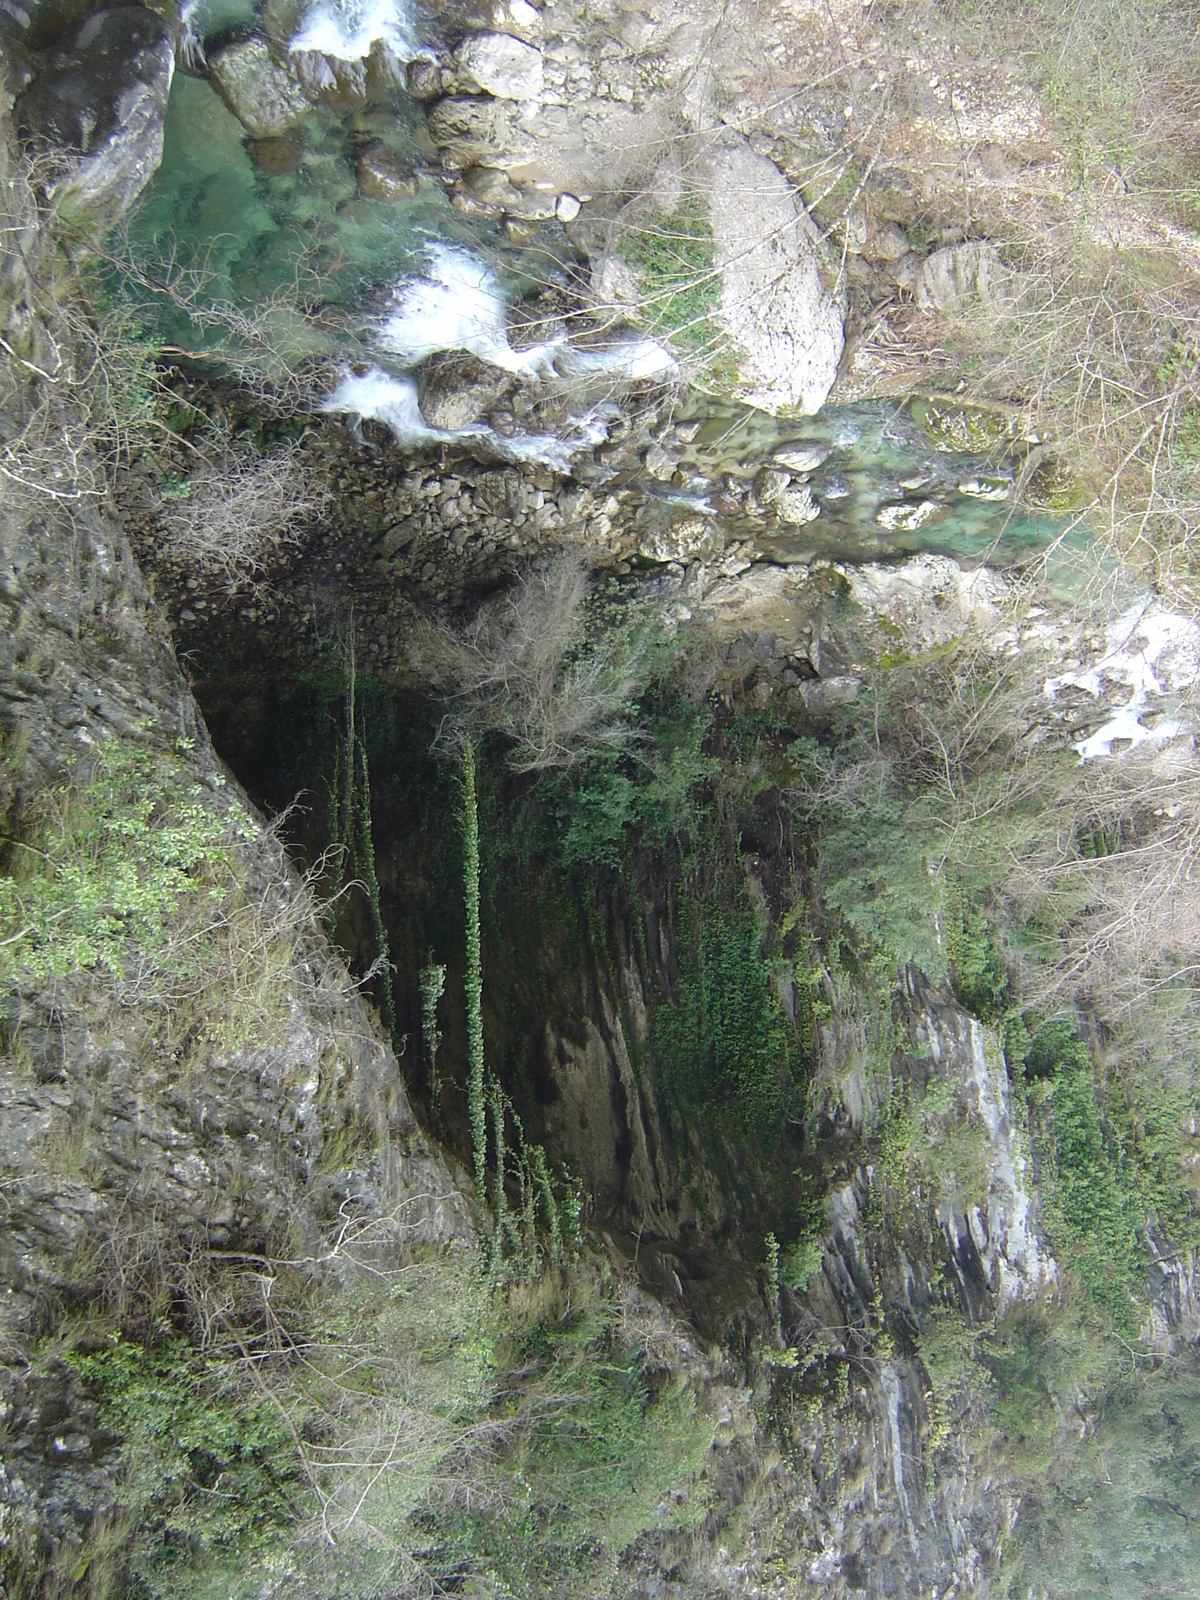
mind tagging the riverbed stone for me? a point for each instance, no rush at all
(495, 63)
(795, 505)
(383, 175)
(905, 516)
(266, 98)
(456, 389)
(276, 156)
(495, 187)
(474, 130)
(424, 78)
(802, 458)
(688, 539)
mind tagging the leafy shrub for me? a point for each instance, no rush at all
(111, 862)
(978, 974)
(586, 816)
(874, 877)
(207, 1466)
(800, 1261)
(1104, 1175)
(577, 685)
(601, 1448)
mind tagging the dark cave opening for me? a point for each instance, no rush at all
(577, 962)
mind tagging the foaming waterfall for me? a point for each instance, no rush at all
(391, 398)
(458, 303)
(345, 30)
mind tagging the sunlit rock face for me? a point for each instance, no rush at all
(775, 307)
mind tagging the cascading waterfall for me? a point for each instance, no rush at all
(459, 304)
(346, 30)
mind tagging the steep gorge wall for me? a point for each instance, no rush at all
(137, 1144)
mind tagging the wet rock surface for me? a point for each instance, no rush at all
(265, 97)
(116, 1143)
(456, 390)
(102, 99)
(383, 175)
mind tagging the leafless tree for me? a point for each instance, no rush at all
(240, 511)
(525, 669)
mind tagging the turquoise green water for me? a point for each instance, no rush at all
(258, 232)
(879, 459)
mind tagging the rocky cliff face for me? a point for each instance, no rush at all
(138, 1144)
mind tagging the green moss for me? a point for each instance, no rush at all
(1053, 486)
(951, 426)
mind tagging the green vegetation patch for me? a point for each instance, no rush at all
(1120, 1514)
(674, 259)
(110, 862)
(208, 1463)
(586, 815)
(1117, 1160)
(722, 1039)
(601, 1448)
(414, 1431)
(1092, 1217)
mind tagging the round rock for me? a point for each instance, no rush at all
(494, 63)
(456, 389)
(264, 97)
(802, 457)
(383, 175)
(795, 505)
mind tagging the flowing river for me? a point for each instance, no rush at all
(397, 281)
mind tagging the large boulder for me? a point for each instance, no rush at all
(784, 324)
(456, 389)
(496, 188)
(99, 106)
(266, 98)
(953, 278)
(494, 63)
(471, 130)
